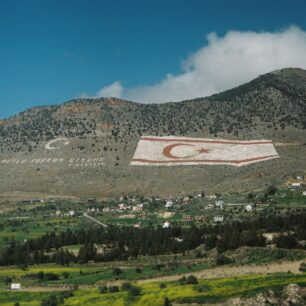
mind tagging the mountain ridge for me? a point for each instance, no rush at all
(272, 106)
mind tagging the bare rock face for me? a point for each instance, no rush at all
(291, 295)
(95, 140)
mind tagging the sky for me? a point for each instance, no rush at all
(149, 51)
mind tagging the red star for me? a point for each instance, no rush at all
(203, 150)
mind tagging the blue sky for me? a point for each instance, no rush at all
(54, 51)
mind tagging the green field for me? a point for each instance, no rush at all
(215, 290)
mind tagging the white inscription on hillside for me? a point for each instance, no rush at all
(72, 162)
(49, 145)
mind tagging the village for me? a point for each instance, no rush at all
(184, 210)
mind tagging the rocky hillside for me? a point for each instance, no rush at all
(271, 106)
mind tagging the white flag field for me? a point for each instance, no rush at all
(171, 151)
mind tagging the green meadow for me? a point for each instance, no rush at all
(151, 294)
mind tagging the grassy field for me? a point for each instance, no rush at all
(214, 290)
(93, 274)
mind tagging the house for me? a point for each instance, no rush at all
(57, 213)
(15, 286)
(186, 200)
(169, 204)
(296, 185)
(92, 210)
(71, 213)
(137, 225)
(138, 207)
(201, 218)
(209, 206)
(186, 218)
(166, 224)
(304, 193)
(218, 219)
(212, 197)
(249, 207)
(219, 204)
(121, 206)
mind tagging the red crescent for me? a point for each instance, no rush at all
(167, 150)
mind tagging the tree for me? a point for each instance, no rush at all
(167, 302)
(134, 291)
(221, 260)
(102, 289)
(113, 289)
(117, 271)
(7, 280)
(271, 190)
(192, 280)
(65, 274)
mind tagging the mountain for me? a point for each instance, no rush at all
(272, 106)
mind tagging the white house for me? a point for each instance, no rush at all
(15, 286)
(209, 206)
(166, 224)
(122, 206)
(71, 213)
(218, 219)
(249, 207)
(138, 207)
(169, 204)
(296, 185)
(219, 204)
(186, 200)
(304, 193)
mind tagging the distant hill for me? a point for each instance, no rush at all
(272, 106)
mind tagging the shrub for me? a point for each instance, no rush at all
(113, 289)
(191, 279)
(138, 270)
(302, 267)
(117, 271)
(126, 286)
(221, 259)
(102, 289)
(134, 291)
(182, 280)
(162, 285)
(167, 302)
(7, 280)
(65, 275)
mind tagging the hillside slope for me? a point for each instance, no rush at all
(272, 106)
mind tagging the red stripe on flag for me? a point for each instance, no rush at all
(246, 142)
(202, 160)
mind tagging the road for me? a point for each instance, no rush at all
(95, 220)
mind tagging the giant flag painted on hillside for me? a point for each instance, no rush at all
(171, 151)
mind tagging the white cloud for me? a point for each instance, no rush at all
(113, 90)
(225, 62)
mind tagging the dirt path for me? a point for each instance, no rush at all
(95, 220)
(226, 271)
